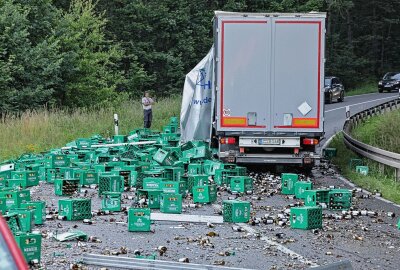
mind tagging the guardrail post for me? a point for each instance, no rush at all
(396, 174)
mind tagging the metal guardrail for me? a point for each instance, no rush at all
(144, 264)
(381, 156)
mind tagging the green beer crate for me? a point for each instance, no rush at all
(196, 180)
(288, 181)
(66, 172)
(173, 187)
(241, 171)
(362, 170)
(205, 194)
(75, 209)
(12, 222)
(152, 183)
(4, 176)
(39, 210)
(110, 183)
(16, 183)
(210, 166)
(14, 198)
(171, 203)
(25, 218)
(139, 220)
(221, 176)
(83, 143)
(55, 161)
(195, 168)
(315, 197)
(329, 153)
(29, 178)
(354, 162)
(30, 245)
(42, 174)
(241, 184)
(152, 197)
(163, 157)
(306, 217)
(300, 188)
(111, 201)
(119, 139)
(52, 174)
(87, 178)
(173, 173)
(3, 206)
(236, 211)
(66, 187)
(340, 199)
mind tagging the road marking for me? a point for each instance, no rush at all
(279, 247)
(360, 103)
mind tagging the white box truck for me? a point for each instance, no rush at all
(268, 87)
(258, 94)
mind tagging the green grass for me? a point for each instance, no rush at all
(383, 182)
(381, 131)
(370, 87)
(42, 130)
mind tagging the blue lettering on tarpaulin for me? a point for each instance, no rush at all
(201, 80)
(203, 101)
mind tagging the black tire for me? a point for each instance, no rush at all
(380, 90)
(329, 101)
(341, 98)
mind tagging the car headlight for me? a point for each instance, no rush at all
(380, 83)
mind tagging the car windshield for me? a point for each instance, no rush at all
(392, 76)
(327, 82)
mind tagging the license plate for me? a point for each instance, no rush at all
(269, 141)
(388, 85)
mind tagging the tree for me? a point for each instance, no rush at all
(90, 64)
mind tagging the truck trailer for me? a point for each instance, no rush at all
(266, 87)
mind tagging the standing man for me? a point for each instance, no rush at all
(147, 101)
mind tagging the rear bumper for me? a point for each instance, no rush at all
(301, 159)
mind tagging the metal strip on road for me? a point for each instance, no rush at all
(361, 103)
(143, 264)
(279, 246)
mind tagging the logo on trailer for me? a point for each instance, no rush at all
(201, 80)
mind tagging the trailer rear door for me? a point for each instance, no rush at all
(297, 74)
(243, 68)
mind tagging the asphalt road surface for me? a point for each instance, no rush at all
(369, 241)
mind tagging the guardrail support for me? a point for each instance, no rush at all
(396, 174)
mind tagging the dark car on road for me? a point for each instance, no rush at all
(389, 82)
(334, 89)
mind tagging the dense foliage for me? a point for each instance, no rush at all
(79, 53)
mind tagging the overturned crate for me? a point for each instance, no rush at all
(75, 209)
(39, 210)
(25, 218)
(306, 218)
(316, 197)
(340, 199)
(152, 197)
(110, 183)
(111, 201)
(236, 211)
(300, 188)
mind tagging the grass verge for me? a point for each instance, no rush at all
(375, 180)
(370, 87)
(42, 130)
(381, 131)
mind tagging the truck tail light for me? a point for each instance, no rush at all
(310, 141)
(228, 140)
